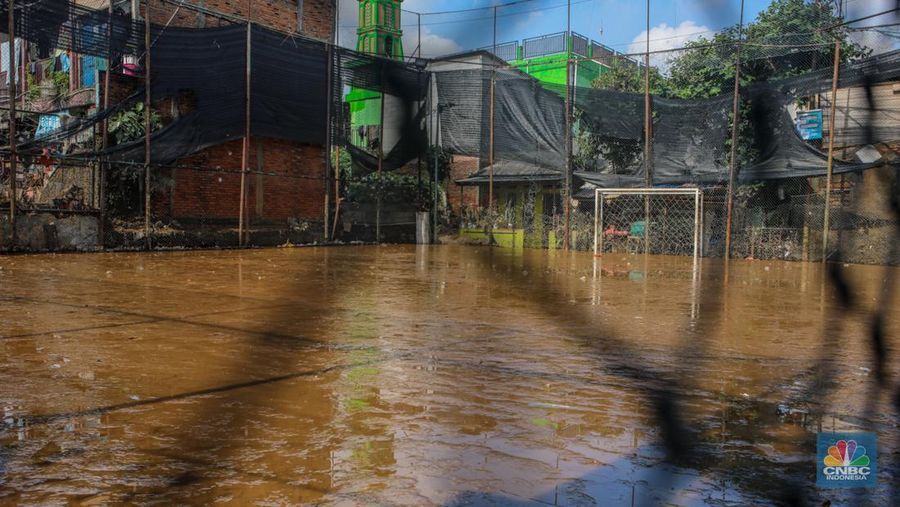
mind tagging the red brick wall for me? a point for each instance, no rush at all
(458, 195)
(298, 189)
(318, 15)
(292, 185)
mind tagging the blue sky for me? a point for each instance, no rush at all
(620, 24)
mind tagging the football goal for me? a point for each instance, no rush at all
(660, 221)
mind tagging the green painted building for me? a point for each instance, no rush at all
(520, 186)
(545, 57)
(379, 33)
(379, 30)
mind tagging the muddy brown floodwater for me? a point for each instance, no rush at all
(398, 375)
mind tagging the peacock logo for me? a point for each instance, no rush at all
(846, 453)
(847, 459)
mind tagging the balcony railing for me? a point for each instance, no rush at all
(544, 45)
(557, 43)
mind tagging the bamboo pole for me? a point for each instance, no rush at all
(147, 99)
(12, 125)
(245, 146)
(828, 175)
(735, 124)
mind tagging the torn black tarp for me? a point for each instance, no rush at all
(780, 152)
(206, 69)
(529, 120)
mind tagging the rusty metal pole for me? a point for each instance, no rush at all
(24, 65)
(568, 138)
(147, 99)
(101, 227)
(328, 142)
(491, 139)
(648, 125)
(337, 190)
(380, 160)
(12, 125)
(245, 145)
(735, 125)
(828, 175)
(337, 151)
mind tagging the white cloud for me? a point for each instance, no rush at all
(664, 37)
(432, 44)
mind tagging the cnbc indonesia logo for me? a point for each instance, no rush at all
(844, 460)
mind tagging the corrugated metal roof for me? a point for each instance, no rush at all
(510, 171)
(93, 4)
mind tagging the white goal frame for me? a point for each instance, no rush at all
(601, 193)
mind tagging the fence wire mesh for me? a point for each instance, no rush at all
(653, 223)
(304, 191)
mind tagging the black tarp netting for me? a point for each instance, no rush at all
(780, 152)
(528, 118)
(401, 128)
(203, 71)
(62, 24)
(288, 92)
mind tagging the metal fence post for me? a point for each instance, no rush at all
(491, 139)
(104, 160)
(378, 196)
(648, 126)
(245, 147)
(828, 175)
(12, 125)
(329, 124)
(735, 122)
(147, 99)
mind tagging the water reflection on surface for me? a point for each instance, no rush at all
(417, 375)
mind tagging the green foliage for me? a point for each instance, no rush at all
(624, 76)
(32, 90)
(61, 82)
(706, 68)
(443, 162)
(129, 125)
(618, 153)
(394, 188)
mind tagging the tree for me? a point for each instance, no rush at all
(790, 37)
(627, 76)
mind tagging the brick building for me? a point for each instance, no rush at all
(286, 180)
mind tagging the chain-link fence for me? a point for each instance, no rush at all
(656, 222)
(289, 183)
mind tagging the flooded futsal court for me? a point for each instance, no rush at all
(403, 375)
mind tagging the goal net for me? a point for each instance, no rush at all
(660, 221)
